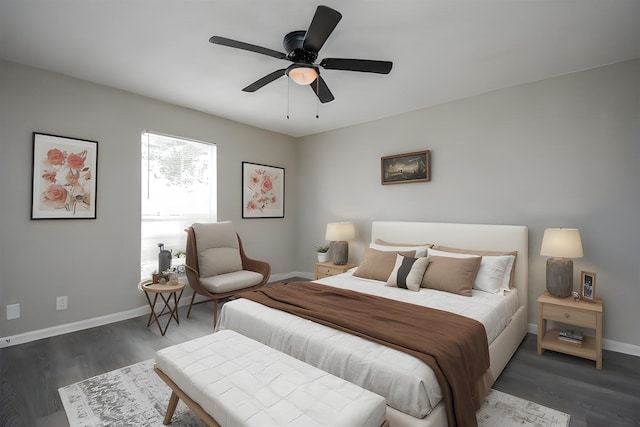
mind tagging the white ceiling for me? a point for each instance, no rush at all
(442, 50)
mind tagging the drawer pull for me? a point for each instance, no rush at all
(567, 315)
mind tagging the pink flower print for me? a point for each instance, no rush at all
(75, 161)
(267, 185)
(54, 197)
(49, 176)
(251, 205)
(55, 157)
(72, 178)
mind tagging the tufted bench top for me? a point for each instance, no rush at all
(241, 382)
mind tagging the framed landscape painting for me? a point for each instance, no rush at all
(262, 191)
(405, 168)
(64, 177)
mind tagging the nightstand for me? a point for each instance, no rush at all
(327, 269)
(577, 313)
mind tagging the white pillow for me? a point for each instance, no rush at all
(421, 251)
(408, 273)
(494, 272)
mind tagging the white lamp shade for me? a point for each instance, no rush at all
(340, 231)
(561, 243)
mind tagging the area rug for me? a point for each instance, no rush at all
(503, 410)
(130, 396)
(136, 396)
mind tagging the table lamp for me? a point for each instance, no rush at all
(339, 233)
(561, 244)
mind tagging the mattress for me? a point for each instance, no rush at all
(244, 383)
(408, 384)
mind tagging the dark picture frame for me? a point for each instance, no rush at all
(588, 285)
(405, 168)
(262, 191)
(64, 177)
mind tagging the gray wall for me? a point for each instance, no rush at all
(96, 262)
(562, 152)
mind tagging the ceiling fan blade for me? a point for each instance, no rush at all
(246, 46)
(323, 93)
(265, 80)
(322, 25)
(363, 65)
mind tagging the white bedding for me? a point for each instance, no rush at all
(493, 311)
(407, 383)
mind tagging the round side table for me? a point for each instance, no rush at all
(167, 292)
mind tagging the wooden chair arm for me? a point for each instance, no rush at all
(255, 265)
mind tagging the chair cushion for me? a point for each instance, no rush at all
(231, 281)
(215, 235)
(214, 261)
(218, 250)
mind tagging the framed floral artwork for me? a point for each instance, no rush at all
(262, 191)
(64, 177)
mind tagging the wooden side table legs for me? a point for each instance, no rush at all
(168, 308)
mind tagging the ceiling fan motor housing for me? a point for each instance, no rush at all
(295, 52)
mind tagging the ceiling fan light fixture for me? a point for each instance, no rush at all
(303, 75)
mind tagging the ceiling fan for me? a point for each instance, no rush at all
(302, 49)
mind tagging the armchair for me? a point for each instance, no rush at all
(217, 266)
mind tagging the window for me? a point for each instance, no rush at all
(178, 189)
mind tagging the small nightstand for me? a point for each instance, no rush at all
(568, 311)
(326, 269)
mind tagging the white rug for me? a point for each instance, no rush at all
(503, 410)
(136, 396)
(131, 396)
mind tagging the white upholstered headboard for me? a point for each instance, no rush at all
(466, 236)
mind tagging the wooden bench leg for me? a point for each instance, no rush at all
(173, 402)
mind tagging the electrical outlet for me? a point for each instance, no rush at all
(61, 303)
(13, 311)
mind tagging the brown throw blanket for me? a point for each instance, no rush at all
(454, 347)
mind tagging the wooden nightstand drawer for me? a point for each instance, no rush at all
(328, 269)
(324, 270)
(574, 317)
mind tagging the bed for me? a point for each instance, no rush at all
(409, 385)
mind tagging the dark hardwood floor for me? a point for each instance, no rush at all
(31, 373)
(593, 398)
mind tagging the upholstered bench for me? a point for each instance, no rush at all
(230, 380)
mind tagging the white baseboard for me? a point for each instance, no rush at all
(611, 345)
(115, 317)
(72, 327)
(85, 324)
